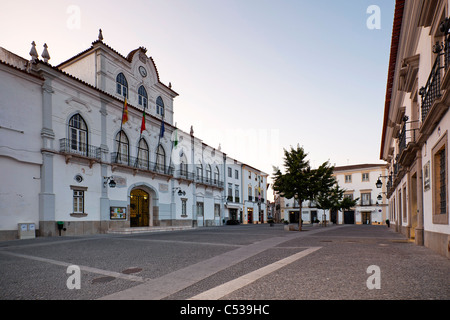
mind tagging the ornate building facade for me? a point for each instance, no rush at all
(90, 146)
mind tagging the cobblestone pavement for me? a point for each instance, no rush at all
(244, 262)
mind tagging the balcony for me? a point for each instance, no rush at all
(140, 164)
(82, 151)
(432, 90)
(407, 143)
(435, 97)
(186, 175)
(216, 183)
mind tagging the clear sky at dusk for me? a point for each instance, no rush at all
(254, 76)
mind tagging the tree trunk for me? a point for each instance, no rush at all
(300, 222)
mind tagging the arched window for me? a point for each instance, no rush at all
(199, 172)
(216, 175)
(122, 147)
(208, 173)
(183, 166)
(143, 98)
(142, 158)
(160, 106)
(122, 85)
(160, 159)
(78, 135)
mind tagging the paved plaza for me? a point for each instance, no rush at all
(243, 262)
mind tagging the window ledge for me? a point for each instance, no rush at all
(78, 215)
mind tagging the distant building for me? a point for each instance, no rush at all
(67, 156)
(416, 123)
(358, 181)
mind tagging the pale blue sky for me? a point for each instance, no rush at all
(255, 76)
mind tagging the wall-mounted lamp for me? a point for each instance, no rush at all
(180, 192)
(380, 197)
(112, 183)
(379, 184)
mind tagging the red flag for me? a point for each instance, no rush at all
(143, 121)
(125, 111)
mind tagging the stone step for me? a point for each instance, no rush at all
(147, 229)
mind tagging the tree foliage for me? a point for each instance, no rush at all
(300, 181)
(334, 199)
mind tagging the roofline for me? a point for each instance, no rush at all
(99, 90)
(396, 28)
(359, 166)
(127, 58)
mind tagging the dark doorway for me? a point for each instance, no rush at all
(349, 217)
(249, 216)
(293, 216)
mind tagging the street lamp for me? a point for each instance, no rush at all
(180, 192)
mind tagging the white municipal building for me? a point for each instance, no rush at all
(71, 165)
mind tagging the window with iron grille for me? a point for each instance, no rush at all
(439, 181)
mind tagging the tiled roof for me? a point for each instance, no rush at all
(397, 26)
(359, 166)
(21, 70)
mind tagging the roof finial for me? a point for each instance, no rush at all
(170, 85)
(33, 52)
(45, 53)
(100, 35)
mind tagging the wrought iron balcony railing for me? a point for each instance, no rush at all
(78, 148)
(209, 181)
(140, 163)
(432, 89)
(406, 136)
(185, 174)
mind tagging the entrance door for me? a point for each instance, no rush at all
(313, 216)
(366, 217)
(249, 215)
(349, 217)
(139, 208)
(293, 216)
(233, 214)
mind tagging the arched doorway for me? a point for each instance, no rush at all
(139, 208)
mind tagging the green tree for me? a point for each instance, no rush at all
(300, 181)
(334, 200)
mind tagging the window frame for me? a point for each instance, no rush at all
(142, 97)
(160, 109)
(122, 148)
(439, 217)
(121, 83)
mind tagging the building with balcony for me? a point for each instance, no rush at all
(415, 129)
(92, 143)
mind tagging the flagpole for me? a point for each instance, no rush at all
(121, 126)
(140, 137)
(170, 159)
(159, 140)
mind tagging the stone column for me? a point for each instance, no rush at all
(419, 239)
(47, 224)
